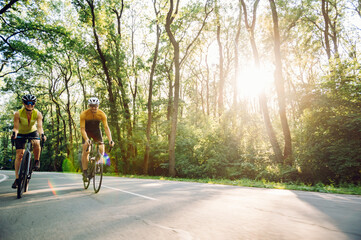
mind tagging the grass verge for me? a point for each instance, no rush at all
(319, 187)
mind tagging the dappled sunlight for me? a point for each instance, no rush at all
(55, 190)
(151, 185)
(42, 195)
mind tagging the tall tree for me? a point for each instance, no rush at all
(67, 72)
(236, 56)
(150, 90)
(88, 9)
(221, 62)
(119, 77)
(280, 88)
(172, 13)
(331, 26)
(262, 96)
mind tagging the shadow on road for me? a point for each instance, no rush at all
(343, 211)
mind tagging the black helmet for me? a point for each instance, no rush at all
(28, 98)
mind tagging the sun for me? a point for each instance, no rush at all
(252, 81)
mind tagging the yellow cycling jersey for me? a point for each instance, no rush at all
(89, 120)
(27, 125)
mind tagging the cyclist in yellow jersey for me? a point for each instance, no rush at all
(89, 127)
(24, 125)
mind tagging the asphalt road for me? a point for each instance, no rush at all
(58, 207)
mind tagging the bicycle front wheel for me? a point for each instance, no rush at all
(98, 175)
(23, 176)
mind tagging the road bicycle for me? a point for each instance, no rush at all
(26, 166)
(95, 167)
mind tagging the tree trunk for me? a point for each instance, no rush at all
(324, 8)
(82, 87)
(177, 63)
(174, 117)
(280, 88)
(207, 87)
(124, 101)
(150, 93)
(262, 98)
(221, 70)
(58, 133)
(236, 58)
(114, 121)
(67, 78)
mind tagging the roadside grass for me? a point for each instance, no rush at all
(319, 187)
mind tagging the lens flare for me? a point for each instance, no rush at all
(106, 159)
(52, 188)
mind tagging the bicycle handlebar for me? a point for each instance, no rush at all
(29, 138)
(98, 143)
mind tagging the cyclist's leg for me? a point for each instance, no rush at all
(20, 149)
(101, 149)
(84, 161)
(85, 157)
(36, 149)
(19, 157)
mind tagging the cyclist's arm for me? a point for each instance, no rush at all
(16, 123)
(40, 125)
(107, 130)
(109, 135)
(83, 133)
(82, 128)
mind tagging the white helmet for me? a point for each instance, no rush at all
(93, 100)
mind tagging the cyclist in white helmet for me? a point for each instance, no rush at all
(90, 129)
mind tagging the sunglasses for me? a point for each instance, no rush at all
(93, 105)
(29, 103)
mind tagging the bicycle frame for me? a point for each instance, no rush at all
(95, 167)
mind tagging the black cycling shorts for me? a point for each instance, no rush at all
(20, 142)
(92, 129)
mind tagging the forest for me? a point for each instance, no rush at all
(224, 89)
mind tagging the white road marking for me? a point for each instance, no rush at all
(139, 195)
(3, 178)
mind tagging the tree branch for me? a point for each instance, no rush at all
(7, 6)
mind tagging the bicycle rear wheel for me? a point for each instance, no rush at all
(23, 178)
(98, 174)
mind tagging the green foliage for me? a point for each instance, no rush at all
(328, 142)
(68, 166)
(7, 158)
(216, 151)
